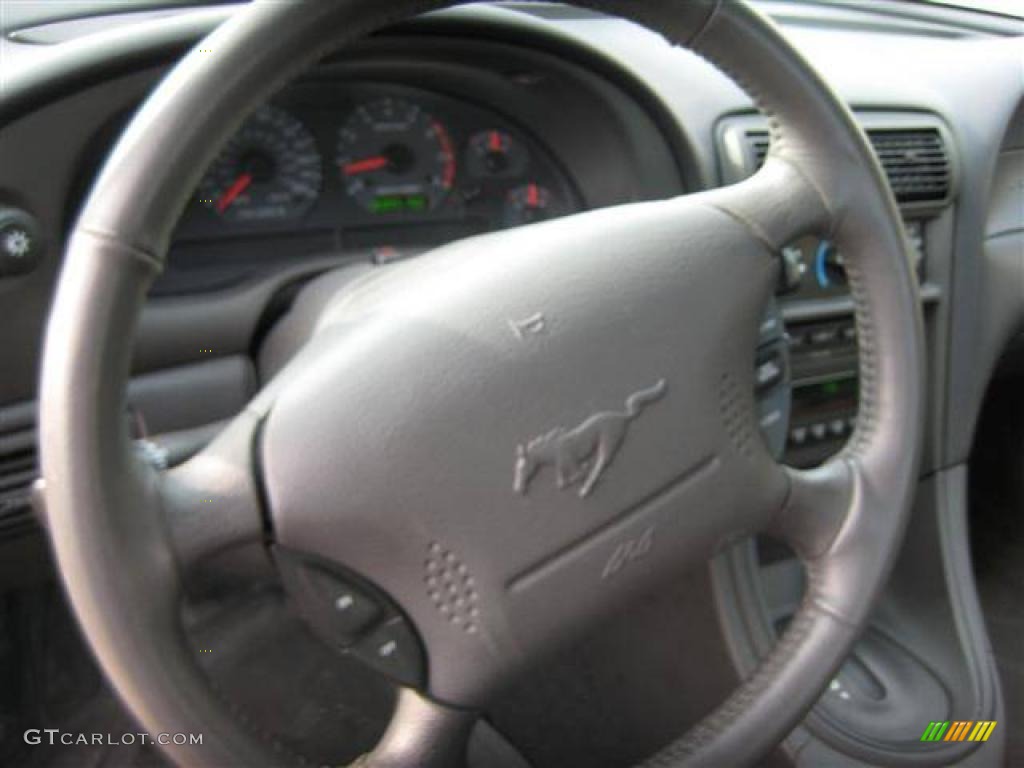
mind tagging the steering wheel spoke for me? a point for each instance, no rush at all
(778, 204)
(211, 503)
(839, 525)
(422, 733)
(816, 507)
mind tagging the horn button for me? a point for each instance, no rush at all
(510, 434)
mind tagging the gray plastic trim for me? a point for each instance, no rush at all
(192, 395)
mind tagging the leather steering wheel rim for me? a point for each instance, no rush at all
(123, 536)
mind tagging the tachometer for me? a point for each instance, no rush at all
(393, 156)
(270, 170)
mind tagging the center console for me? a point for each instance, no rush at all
(822, 340)
(911, 665)
(814, 298)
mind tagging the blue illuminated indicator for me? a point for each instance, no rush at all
(819, 263)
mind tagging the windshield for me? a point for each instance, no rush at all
(16, 14)
(1007, 7)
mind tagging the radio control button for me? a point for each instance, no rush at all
(798, 435)
(819, 431)
(837, 427)
(822, 336)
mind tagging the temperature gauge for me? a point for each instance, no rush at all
(495, 154)
(527, 204)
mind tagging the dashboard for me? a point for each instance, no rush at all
(483, 119)
(487, 118)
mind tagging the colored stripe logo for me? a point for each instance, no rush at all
(959, 730)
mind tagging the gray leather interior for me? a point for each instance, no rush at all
(846, 520)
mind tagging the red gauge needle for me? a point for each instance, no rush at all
(532, 196)
(240, 185)
(374, 163)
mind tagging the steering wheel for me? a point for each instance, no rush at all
(497, 443)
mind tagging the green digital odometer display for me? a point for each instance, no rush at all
(392, 203)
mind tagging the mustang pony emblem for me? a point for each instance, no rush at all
(583, 453)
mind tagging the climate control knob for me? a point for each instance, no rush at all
(828, 266)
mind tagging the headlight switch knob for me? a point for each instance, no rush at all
(20, 242)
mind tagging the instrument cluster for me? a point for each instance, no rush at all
(375, 165)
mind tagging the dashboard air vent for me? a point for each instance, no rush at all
(915, 161)
(18, 466)
(758, 143)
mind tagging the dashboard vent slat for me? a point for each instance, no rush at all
(17, 483)
(18, 464)
(915, 160)
(758, 147)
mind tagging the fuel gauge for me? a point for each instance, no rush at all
(495, 154)
(527, 204)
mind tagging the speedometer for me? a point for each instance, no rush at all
(270, 170)
(393, 156)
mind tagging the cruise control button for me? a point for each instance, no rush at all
(769, 327)
(352, 611)
(837, 427)
(772, 327)
(393, 650)
(818, 431)
(771, 418)
(769, 372)
(345, 608)
(331, 603)
(798, 435)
